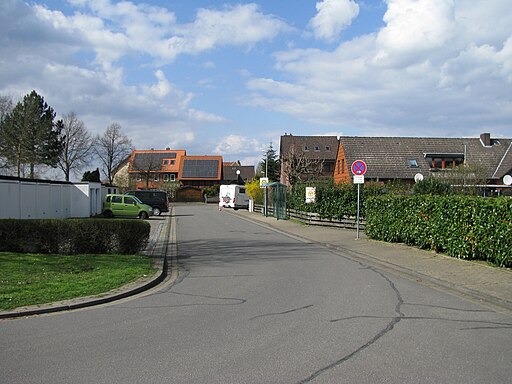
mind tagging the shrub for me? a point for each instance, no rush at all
(333, 201)
(465, 227)
(432, 186)
(73, 236)
(255, 192)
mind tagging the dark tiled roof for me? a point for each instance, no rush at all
(311, 147)
(150, 160)
(229, 172)
(388, 157)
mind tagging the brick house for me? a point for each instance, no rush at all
(200, 171)
(318, 152)
(401, 158)
(149, 169)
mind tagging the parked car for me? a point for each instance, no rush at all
(125, 206)
(155, 199)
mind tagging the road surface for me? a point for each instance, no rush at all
(252, 305)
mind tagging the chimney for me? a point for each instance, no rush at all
(485, 138)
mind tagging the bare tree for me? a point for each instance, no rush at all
(300, 168)
(466, 178)
(112, 148)
(147, 165)
(78, 145)
(6, 106)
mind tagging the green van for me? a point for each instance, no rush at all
(125, 206)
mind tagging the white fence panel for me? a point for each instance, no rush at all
(40, 199)
(28, 200)
(10, 199)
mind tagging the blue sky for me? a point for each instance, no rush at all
(229, 77)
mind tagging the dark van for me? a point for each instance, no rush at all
(156, 199)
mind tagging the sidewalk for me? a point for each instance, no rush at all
(490, 286)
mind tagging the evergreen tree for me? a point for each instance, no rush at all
(92, 176)
(29, 135)
(273, 170)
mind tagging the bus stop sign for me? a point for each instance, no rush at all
(359, 167)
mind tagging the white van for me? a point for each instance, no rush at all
(233, 196)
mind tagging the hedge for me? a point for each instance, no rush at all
(333, 201)
(73, 236)
(465, 227)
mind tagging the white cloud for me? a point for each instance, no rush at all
(419, 75)
(332, 17)
(415, 28)
(237, 144)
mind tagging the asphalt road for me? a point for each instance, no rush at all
(252, 305)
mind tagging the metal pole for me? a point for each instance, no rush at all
(357, 224)
(266, 190)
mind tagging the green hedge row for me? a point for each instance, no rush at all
(465, 227)
(332, 201)
(74, 236)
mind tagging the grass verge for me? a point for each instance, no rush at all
(29, 279)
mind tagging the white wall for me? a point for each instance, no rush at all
(39, 199)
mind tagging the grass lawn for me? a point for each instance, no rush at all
(28, 279)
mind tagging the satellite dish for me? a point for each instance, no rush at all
(418, 177)
(507, 179)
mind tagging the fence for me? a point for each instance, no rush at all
(312, 218)
(46, 199)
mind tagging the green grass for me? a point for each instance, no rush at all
(29, 279)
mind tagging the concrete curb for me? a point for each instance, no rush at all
(157, 249)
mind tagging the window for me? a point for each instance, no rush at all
(117, 199)
(129, 200)
(342, 165)
(138, 177)
(166, 177)
(157, 177)
(317, 148)
(173, 162)
(413, 163)
(444, 161)
(339, 166)
(166, 162)
(172, 177)
(327, 148)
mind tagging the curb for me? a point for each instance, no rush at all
(128, 290)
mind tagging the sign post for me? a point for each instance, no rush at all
(358, 169)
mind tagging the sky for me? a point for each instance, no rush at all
(230, 77)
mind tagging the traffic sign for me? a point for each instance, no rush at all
(263, 182)
(310, 194)
(359, 167)
(359, 179)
